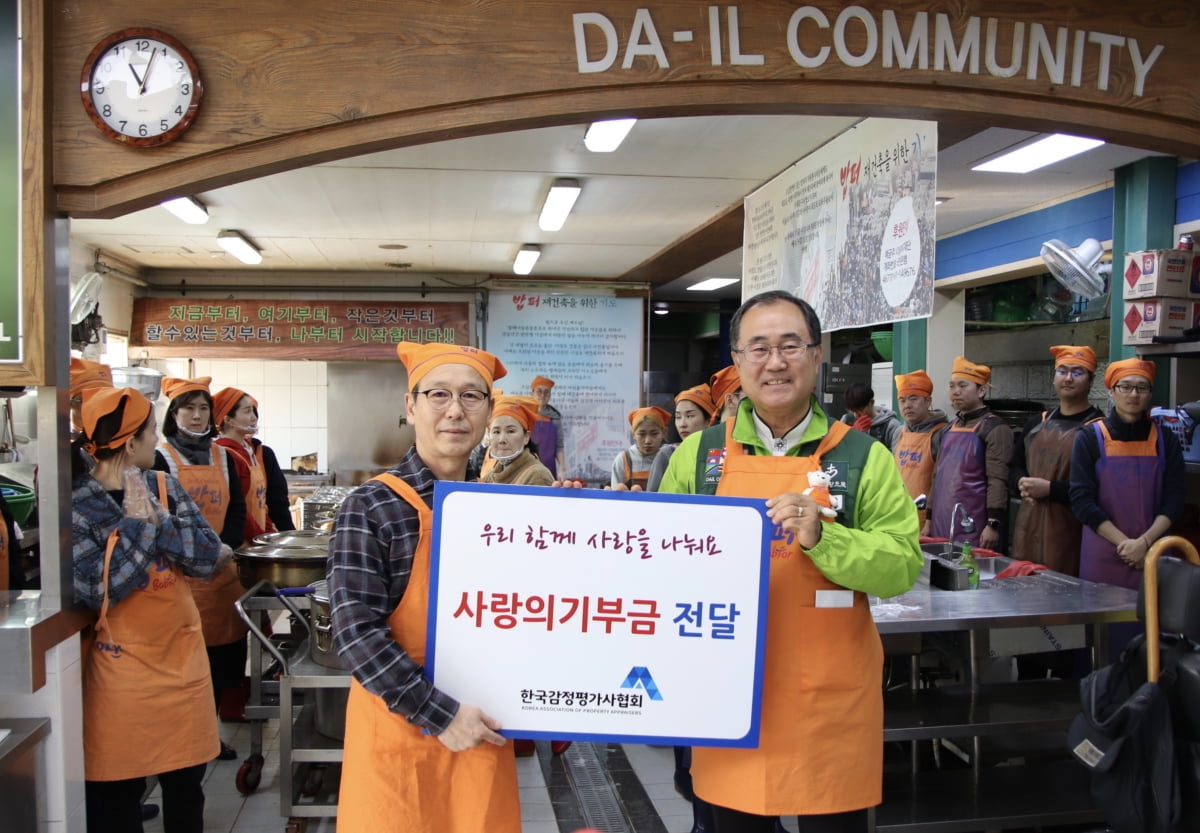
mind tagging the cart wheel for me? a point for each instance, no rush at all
(312, 782)
(296, 826)
(249, 775)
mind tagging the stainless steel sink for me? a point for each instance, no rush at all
(943, 570)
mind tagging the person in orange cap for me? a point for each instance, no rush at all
(510, 448)
(693, 409)
(920, 440)
(726, 388)
(972, 465)
(147, 693)
(1126, 477)
(1046, 531)
(548, 432)
(86, 375)
(210, 476)
(415, 759)
(631, 467)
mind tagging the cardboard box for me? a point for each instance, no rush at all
(1158, 273)
(1148, 317)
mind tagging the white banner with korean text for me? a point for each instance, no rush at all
(850, 228)
(593, 615)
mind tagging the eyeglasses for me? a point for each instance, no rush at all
(790, 351)
(439, 399)
(1073, 372)
(1140, 390)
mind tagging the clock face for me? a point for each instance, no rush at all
(141, 87)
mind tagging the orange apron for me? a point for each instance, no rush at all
(821, 738)
(256, 491)
(634, 478)
(395, 779)
(208, 486)
(4, 555)
(914, 457)
(147, 694)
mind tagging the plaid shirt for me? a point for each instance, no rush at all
(183, 538)
(370, 559)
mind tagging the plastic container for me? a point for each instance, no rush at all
(20, 500)
(968, 560)
(882, 339)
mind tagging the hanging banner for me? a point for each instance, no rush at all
(266, 329)
(11, 345)
(851, 227)
(584, 615)
(591, 346)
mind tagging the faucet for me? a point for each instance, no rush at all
(967, 525)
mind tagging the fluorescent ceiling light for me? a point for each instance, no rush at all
(710, 284)
(559, 203)
(606, 136)
(188, 209)
(1039, 154)
(661, 308)
(529, 254)
(237, 245)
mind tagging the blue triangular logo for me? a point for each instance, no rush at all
(639, 677)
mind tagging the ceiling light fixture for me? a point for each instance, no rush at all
(188, 209)
(559, 203)
(661, 308)
(712, 284)
(236, 244)
(526, 258)
(606, 136)
(1037, 154)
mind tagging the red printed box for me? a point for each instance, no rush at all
(1157, 273)
(1149, 317)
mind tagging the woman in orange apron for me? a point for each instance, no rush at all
(416, 760)
(147, 693)
(235, 413)
(632, 467)
(209, 476)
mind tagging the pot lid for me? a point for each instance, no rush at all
(269, 552)
(312, 538)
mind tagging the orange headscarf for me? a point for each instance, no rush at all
(87, 375)
(524, 409)
(654, 413)
(1084, 357)
(541, 382)
(100, 403)
(419, 359)
(980, 374)
(172, 386)
(725, 381)
(225, 400)
(701, 396)
(1128, 367)
(916, 383)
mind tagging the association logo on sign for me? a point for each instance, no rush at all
(639, 677)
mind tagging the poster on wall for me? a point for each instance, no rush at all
(850, 228)
(591, 346)
(246, 328)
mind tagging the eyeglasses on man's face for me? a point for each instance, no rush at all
(790, 351)
(1129, 390)
(439, 398)
(1073, 372)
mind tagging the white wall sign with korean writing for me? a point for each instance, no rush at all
(596, 615)
(850, 228)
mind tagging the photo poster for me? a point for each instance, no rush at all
(587, 614)
(850, 228)
(591, 346)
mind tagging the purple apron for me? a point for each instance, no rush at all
(545, 437)
(961, 477)
(1129, 477)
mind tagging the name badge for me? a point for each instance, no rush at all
(835, 598)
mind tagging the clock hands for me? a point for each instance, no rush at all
(136, 80)
(146, 74)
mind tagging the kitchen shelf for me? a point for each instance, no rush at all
(1186, 348)
(952, 711)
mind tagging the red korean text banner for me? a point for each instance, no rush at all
(265, 329)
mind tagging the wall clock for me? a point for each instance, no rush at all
(141, 87)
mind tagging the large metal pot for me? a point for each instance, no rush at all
(295, 538)
(330, 717)
(145, 379)
(281, 566)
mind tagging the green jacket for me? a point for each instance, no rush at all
(871, 547)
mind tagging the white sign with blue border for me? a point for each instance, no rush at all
(602, 616)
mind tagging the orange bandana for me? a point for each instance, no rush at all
(100, 403)
(724, 382)
(173, 386)
(541, 382)
(86, 375)
(1128, 367)
(701, 396)
(225, 401)
(916, 383)
(654, 413)
(524, 409)
(1084, 357)
(980, 374)
(419, 359)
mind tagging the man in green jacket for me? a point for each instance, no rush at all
(845, 527)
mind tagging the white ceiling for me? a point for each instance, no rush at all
(466, 206)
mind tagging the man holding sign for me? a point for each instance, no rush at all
(844, 527)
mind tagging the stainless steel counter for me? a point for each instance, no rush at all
(31, 623)
(18, 771)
